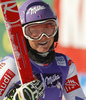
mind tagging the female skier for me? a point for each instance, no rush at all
(55, 74)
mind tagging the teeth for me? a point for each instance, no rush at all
(43, 43)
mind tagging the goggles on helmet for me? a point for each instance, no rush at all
(36, 30)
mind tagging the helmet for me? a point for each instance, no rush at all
(37, 10)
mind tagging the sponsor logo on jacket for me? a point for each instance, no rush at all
(5, 80)
(60, 61)
(51, 80)
(2, 65)
(72, 84)
(70, 62)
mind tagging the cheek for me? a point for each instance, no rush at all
(32, 44)
(51, 40)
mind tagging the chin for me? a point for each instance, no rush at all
(42, 51)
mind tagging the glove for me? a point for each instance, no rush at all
(29, 91)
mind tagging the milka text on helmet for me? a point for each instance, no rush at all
(34, 10)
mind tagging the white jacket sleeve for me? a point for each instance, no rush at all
(8, 75)
(72, 88)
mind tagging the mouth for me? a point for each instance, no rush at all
(43, 43)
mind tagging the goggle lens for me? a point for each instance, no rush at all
(35, 31)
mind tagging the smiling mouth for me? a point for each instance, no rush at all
(43, 43)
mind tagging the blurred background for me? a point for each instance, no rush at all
(72, 33)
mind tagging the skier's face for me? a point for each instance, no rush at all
(41, 35)
(42, 45)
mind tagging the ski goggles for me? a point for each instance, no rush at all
(36, 30)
